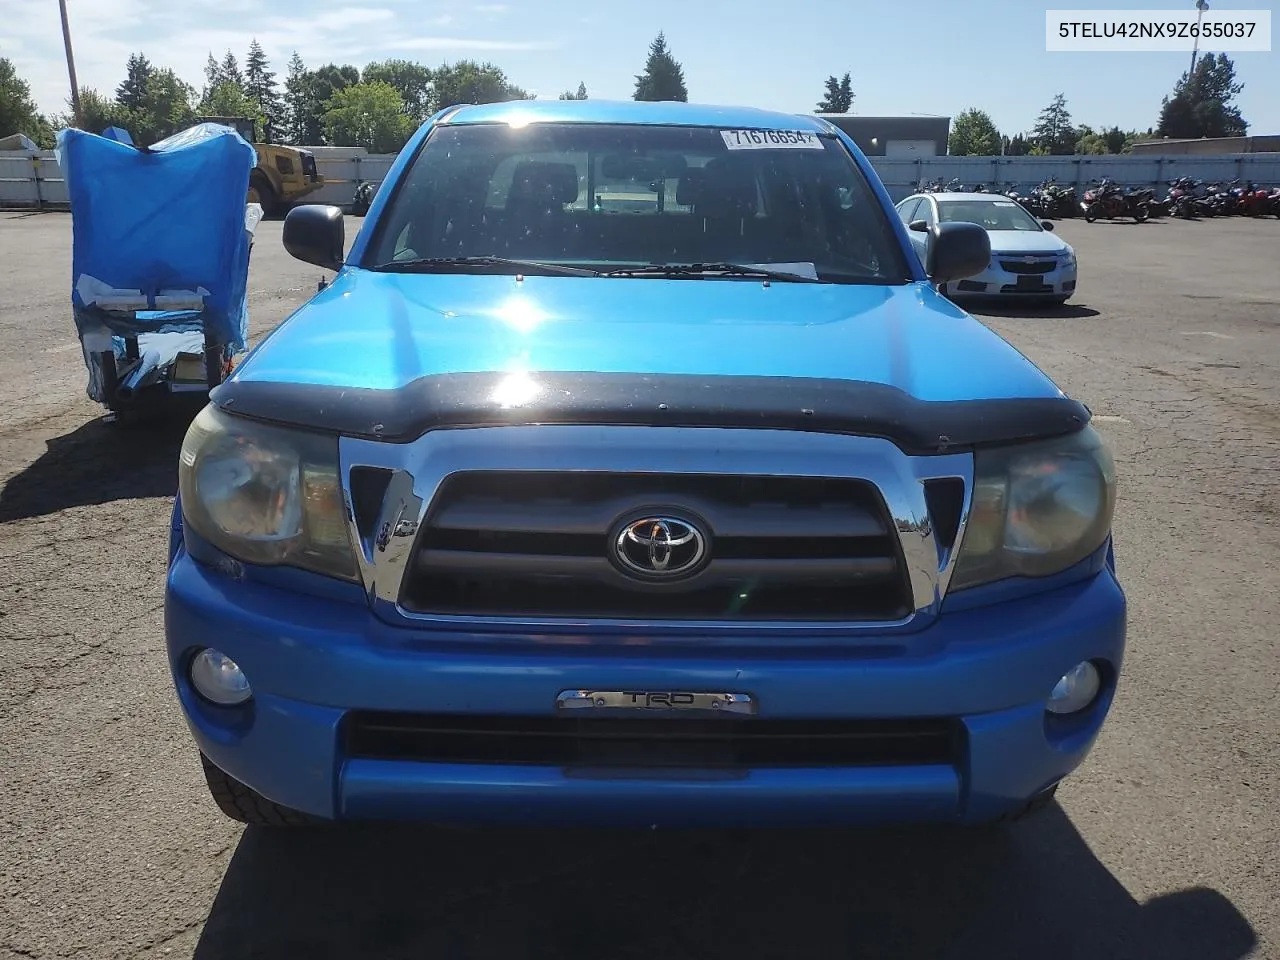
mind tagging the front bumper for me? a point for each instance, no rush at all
(312, 660)
(996, 281)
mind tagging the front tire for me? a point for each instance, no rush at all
(246, 805)
(261, 192)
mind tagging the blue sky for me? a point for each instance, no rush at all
(930, 56)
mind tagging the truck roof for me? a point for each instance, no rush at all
(664, 112)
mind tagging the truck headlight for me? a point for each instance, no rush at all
(265, 494)
(1037, 509)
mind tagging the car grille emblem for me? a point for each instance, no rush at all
(660, 547)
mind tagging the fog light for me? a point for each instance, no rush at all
(1077, 689)
(219, 679)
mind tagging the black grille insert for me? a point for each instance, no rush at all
(539, 544)
(1018, 266)
(650, 743)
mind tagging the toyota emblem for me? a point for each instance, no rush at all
(660, 547)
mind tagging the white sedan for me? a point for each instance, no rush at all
(1027, 260)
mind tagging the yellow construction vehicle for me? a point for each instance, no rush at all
(283, 175)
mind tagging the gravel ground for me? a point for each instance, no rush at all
(1164, 845)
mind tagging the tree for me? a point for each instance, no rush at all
(973, 134)
(412, 81)
(231, 70)
(1090, 142)
(663, 77)
(212, 75)
(134, 86)
(1116, 140)
(229, 100)
(261, 87)
(369, 115)
(1016, 146)
(1053, 131)
(295, 100)
(18, 113)
(167, 106)
(469, 82)
(100, 112)
(839, 98)
(309, 92)
(1203, 102)
(580, 95)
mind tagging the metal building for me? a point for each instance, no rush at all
(904, 138)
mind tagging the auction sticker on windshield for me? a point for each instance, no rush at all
(770, 140)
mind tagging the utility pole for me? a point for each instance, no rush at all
(71, 66)
(1202, 6)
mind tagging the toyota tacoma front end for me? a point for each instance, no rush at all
(704, 510)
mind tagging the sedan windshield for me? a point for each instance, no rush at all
(991, 214)
(501, 198)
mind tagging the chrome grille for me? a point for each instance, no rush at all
(537, 543)
(450, 491)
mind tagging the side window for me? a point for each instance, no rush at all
(908, 209)
(925, 212)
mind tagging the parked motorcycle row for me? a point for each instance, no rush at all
(1107, 200)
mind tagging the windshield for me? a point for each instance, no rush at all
(991, 214)
(608, 197)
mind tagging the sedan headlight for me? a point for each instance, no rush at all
(1037, 509)
(265, 494)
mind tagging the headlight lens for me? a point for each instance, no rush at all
(265, 494)
(1037, 509)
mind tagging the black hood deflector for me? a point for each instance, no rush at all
(676, 400)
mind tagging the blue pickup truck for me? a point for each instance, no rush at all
(632, 471)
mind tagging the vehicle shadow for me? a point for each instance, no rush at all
(1029, 311)
(392, 892)
(101, 462)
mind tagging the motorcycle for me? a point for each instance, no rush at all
(1054, 201)
(1109, 201)
(1136, 195)
(1219, 200)
(1252, 201)
(1181, 200)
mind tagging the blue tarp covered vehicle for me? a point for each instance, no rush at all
(160, 258)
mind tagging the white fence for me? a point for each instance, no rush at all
(34, 180)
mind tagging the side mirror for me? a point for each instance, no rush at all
(958, 250)
(315, 233)
(919, 226)
(1047, 224)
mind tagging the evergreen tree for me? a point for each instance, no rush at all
(230, 70)
(663, 77)
(839, 98)
(261, 87)
(580, 95)
(1053, 132)
(295, 101)
(134, 86)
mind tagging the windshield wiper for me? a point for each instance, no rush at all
(709, 269)
(443, 265)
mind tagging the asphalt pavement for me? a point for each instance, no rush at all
(1166, 844)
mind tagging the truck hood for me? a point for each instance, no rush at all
(372, 331)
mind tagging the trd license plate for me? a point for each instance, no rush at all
(1031, 282)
